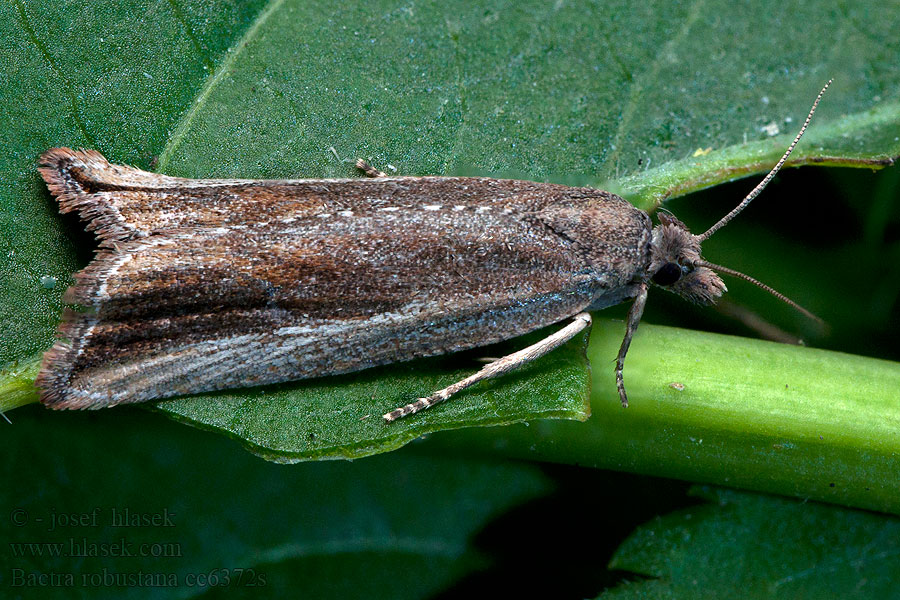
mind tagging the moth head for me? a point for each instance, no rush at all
(676, 263)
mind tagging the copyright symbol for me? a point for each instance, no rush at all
(18, 517)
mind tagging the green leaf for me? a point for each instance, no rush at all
(739, 545)
(340, 417)
(574, 92)
(866, 139)
(396, 526)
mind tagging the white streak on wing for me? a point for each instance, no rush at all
(160, 371)
(346, 213)
(210, 350)
(390, 208)
(337, 328)
(163, 181)
(102, 294)
(108, 198)
(459, 207)
(118, 263)
(271, 351)
(432, 207)
(482, 209)
(294, 330)
(223, 359)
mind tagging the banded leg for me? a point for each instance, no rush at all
(634, 318)
(498, 367)
(369, 169)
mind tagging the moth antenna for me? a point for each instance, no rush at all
(762, 184)
(758, 283)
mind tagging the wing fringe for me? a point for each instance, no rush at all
(58, 364)
(81, 181)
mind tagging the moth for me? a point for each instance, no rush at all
(207, 284)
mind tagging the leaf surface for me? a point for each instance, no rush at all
(652, 101)
(739, 545)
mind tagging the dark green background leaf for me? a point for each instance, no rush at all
(751, 546)
(325, 530)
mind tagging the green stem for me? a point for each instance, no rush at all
(758, 415)
(17, 383)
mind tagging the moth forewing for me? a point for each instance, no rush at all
(213, 284)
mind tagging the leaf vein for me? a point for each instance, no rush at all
(217, 76)
(191, 34)
(651, 74)
(67, 85)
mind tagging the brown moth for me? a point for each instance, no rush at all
(207, 284)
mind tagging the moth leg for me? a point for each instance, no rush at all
(369, 169)
(498, 367)
(634, 318)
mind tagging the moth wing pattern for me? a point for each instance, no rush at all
(202, 285)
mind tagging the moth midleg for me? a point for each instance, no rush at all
(634, 318)
(369, 169)
(500, 366)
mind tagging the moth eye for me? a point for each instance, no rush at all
(668, 274)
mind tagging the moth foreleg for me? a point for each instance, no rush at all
(369, 169)
(634, 318)
(498, 367)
